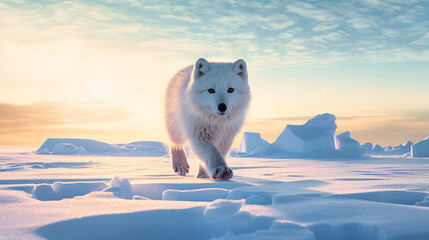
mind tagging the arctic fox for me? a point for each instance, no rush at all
(205, 105)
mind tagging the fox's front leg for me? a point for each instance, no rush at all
(212, 159)
(180, 163)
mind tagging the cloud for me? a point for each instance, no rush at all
(334, 36)
(390, 32)
(423, 40)
(361, 23)
(276, 22)
(308, 10)
(54, 50)
(325, 26)
(171, 29)
(182, 18)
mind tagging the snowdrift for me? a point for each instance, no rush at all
(380, 198)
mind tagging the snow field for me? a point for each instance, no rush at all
(96, 197)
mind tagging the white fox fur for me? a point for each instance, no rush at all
(207, 119)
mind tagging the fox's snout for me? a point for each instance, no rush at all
(221, 107)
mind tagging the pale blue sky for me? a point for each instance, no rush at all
(360, 59)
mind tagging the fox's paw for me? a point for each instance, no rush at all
(222, 173)
(180, 163)
(181, 168)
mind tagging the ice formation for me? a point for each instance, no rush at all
(367, 147)
(90, 146)
(347, 146)
(420, 149)
(377, 148)
(403, 148)
(252, 144)
(315, 135)
(63, 146)
(67, 148)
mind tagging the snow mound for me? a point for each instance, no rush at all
(68, 146)
(203, 195)
(257, 200)
(316, 135)
(222, 208)
(397, 197)
(120, 184)
(420, 149)
(251, 144)
(277, 231)
(424, 202)
(228, 217)
(120, 188)
(58, 190)
(347, 146)
(217, 219)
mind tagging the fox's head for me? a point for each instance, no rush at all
(219, 88)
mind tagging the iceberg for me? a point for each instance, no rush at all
(90, 146)
(316, 135)
(367, 147)
(252, 143)
(402, 148)
(347, 146)
(377, 148)
(67, 146)
(420, 149)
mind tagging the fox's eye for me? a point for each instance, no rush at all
(230, 90)
(211, 90)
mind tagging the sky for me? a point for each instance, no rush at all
(98, 69)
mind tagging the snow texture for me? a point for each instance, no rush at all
(206, 195)
(123, 197)
(58, 190)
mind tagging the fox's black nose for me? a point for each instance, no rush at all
(221, 107)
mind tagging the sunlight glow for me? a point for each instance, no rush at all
(301, 62)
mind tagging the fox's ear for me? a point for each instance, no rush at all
(201, 67)
(240, 68)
